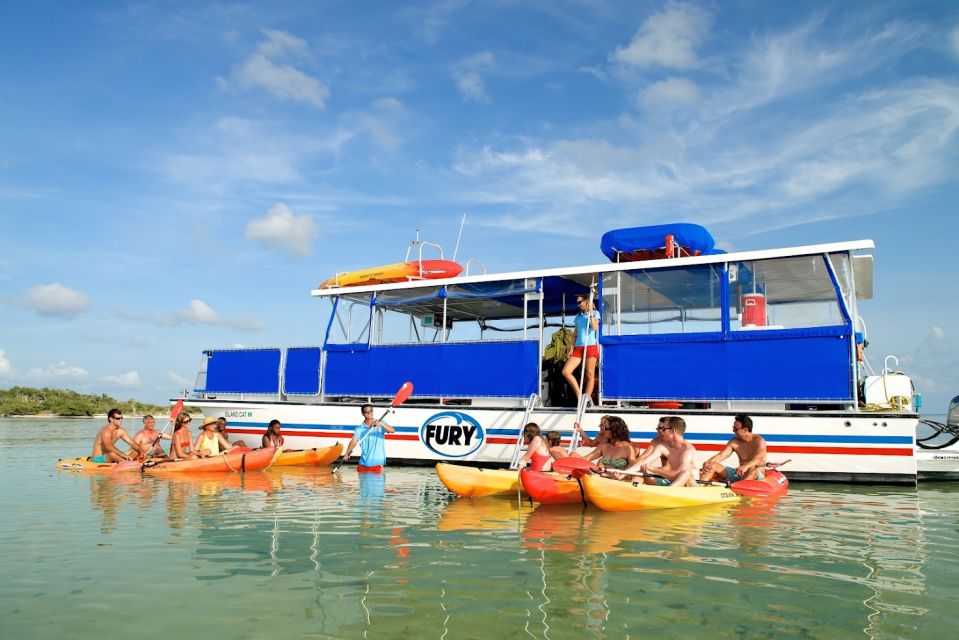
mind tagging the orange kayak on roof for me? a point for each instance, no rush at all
(398, 272)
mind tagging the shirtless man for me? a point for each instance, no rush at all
(750, 449)
(678, 468)
(148, 440)
(104, 445)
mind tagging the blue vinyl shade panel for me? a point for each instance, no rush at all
(302, 372)
(492, 369)
(787, 365)
(243, 371)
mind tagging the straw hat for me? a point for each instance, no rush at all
(208, 420)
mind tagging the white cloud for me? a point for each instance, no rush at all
(265, 69)
(6, 368)
(467, 76)
(56, 300)
(128, 379)
(668, 93)
(200, 313)
(57, 372)
(282, 230)
(178, 380)
(667, 39)
(937, 332)
(954, 39)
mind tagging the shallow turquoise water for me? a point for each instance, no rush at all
(302, 553)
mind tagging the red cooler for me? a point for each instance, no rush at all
(754, 310)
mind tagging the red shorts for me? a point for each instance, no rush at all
(592, 351)
(377, 469)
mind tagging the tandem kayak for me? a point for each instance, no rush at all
(309, 457)
(398, 272)
(617, 495)
(84, 464)
(547, 487)
(235, 461)
(476, 482)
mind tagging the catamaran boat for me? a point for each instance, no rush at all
(685, 330)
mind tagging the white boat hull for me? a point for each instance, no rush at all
(836, 446)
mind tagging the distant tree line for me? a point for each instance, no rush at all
(27, 401)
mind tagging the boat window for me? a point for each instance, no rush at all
(662, 301)
(351, 320)
(784, 293)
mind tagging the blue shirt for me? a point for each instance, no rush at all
(585, 334)
(374, 447)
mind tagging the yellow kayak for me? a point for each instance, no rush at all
(617, 495)
(475, 482)
(309, 457)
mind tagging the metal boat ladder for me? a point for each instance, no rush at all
(584, 401)
(518, 451)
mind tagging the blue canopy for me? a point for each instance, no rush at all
(692, 237)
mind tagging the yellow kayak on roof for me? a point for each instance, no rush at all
(617, 495)
(476, 482)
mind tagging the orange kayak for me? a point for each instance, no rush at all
(309, 457)
(398, 272)
(235, 461)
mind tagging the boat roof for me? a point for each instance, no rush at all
(584, 274)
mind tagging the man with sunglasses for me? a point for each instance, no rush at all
(749, 448)
(374, 441)
(104, 445)
(669, 461)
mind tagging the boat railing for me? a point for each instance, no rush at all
(518, 451)
(420, 244)
(584, 401)
(476, 262)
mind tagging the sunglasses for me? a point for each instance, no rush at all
(118, 417)
(664, 428)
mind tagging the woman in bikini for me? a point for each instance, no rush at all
(209, 441)
(181, 445)
(537, 453)
(617, 453)
(273, 437)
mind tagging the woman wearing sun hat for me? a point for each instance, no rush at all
(209, 441)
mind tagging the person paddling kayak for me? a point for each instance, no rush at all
(148, 439)
(104, 444)
(374, 441)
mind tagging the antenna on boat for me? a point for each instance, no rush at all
(457, 247)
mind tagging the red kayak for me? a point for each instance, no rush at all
(773, 485)
(547, 487)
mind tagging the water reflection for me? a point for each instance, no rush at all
(374, 549)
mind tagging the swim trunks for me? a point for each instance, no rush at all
(663, 482)
(732, 476)
(100, 458)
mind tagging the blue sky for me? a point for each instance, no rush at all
(177, 176)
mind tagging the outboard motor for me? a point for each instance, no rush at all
(949, 431)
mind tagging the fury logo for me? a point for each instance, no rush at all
(452, 434)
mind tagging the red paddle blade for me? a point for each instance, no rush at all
(573, 466)
(402, 395)
(175, 411)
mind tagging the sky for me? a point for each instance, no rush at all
(177, 176)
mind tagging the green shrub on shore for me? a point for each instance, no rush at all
(27, 401)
